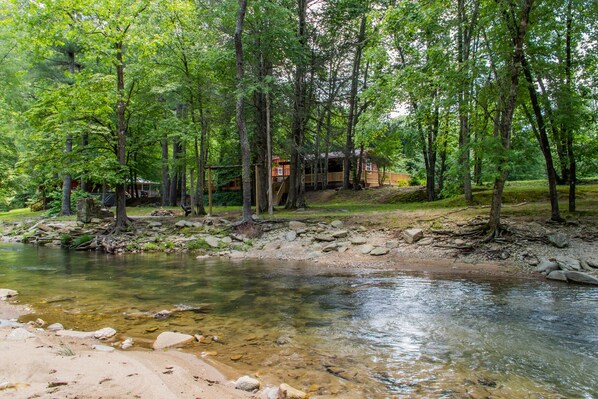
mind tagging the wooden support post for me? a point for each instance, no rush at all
(257, 190)
(209, 191)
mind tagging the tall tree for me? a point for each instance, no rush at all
(245, 152)
(507, 101)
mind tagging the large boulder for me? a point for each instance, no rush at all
(582, 278)
(567, 263)
(246, 383)
(170, 339)
(413, 235)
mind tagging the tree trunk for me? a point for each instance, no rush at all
(568, 130)
(245, 153)
(84, 182)
(296, 197)
(349, 144)
(542, 137)
(174, 174)
(67, 180)
(165, 176)
(504, 120)
(464, 35)
(121, 197)
(269, 156)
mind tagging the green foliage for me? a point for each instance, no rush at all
(227, 198)
(55, 201)
(84, 239)
(200, 244)
(66, 240)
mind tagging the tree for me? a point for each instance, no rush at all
(245, 156)
(507, 101)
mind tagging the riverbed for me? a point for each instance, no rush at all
(357, 333)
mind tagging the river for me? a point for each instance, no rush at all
(339, 333)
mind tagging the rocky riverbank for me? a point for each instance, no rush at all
(526, 248)
(48, 361)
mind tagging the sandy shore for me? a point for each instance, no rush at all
(47, 366)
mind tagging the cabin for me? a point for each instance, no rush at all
(371, 175)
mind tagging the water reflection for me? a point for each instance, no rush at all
(354, 335)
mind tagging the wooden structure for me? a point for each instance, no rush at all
(371, 176)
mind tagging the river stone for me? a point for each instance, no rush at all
(6, 293)
(55, 327)
(566, 263)
(183, 223)
(163, 314)
(104, 333)
(155, 224)
(413, 235)
(340, 234)
(324, 238)
(358, 240)
(294, 225)
(582, 278)
(337, 224)
(546, 266)
(379, 251)
(557, 275)
(330, 247)
(19, 334)
(103, 348)
(559, 240)
(272, 393)
(392, 244)
(592, 262)
(366, 249)
(10, 323)
(291, 235)
(169, 339)
(426, 241)
(246, 383)
(288, 392)
(75, 334)
(227, 240)
(212, 241)
(585, 266)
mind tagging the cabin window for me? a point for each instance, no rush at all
(279, 171)
(368, 166)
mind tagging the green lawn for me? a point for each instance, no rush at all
(531, 198)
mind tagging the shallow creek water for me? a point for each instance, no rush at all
(338, 333)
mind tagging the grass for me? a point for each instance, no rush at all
(521, 198)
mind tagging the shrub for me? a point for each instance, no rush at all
(84, 239)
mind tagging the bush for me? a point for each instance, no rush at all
(66, 239)
(414, 181)
(227, 198)
(55, 200)
(84, 239)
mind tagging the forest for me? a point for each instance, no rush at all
(456, 94)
